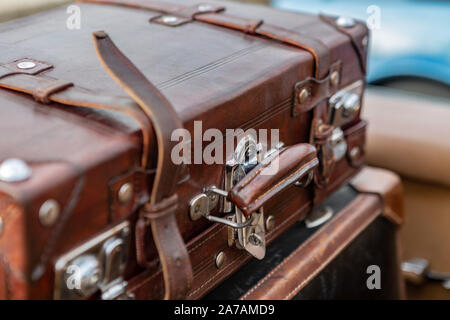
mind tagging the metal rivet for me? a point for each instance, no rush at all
(220, 259)
(1, 226)
(365, 41)
(26, 65)
(270, 223)
(204, 8)
(125, 192)
(303, 95)
(334, 78)
(14, 170)
(49, 212)
(100, 34)
(169, 19)
(345, 22)
(355, 153)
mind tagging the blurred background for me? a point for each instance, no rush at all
(407, 104)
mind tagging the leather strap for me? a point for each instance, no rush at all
(31, 82)
(359, 44)
(174, 258)
(214, 15)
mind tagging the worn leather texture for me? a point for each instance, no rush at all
(81, 141)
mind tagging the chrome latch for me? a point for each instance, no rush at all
(247, 233)
(345, 104)
(338, 144)
(95, 266)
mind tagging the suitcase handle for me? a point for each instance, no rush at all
(273, 175)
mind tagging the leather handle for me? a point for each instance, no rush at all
(272, 176)
(160, 211)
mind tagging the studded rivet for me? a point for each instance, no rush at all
(25, 65)
(204, 8)
(49, 212)
(345, 22)
(125, 193)
(365, 41)
(220, 259)
(355, 153)
(303, 95)
(270, 223)
(14, 170)
(334, 78)
(169, 19)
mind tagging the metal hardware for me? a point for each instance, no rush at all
(125, 193)
(14, 170)
(417, 271)
(355, 153)
(318, 217)
(49, 212)
(1, 226)
(334, 78)
(26, 65)
(220, 259)
(246, 233)
(204, 8)
(169, 19)
(306, 180)
(365, 42)
(96, 265)
(203, 204)
(303, 95)
(89, 273)
(270, 223)
(345, 22)
(344, 105)
(338, 144)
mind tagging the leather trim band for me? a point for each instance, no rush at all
(387, 186)
(42, 93)
(29, 82)
(359, 45)
(173, 255)
(215, 16)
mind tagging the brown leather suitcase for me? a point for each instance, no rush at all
(92, 204)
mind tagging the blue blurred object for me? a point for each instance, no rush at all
(413, 38)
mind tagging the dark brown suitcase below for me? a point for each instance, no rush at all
(104, 202)
(335, 258)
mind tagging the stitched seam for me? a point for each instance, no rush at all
(214, 276)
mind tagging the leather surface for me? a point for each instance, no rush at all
(288, 278)
(253, 271)
(77, 155)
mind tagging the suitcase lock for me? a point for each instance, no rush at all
(245, 232)
(95, 266)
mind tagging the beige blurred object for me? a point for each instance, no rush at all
(11, 9)
(410, 134)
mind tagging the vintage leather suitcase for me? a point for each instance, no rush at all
(92, 204)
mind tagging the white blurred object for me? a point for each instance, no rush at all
(11, 9)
